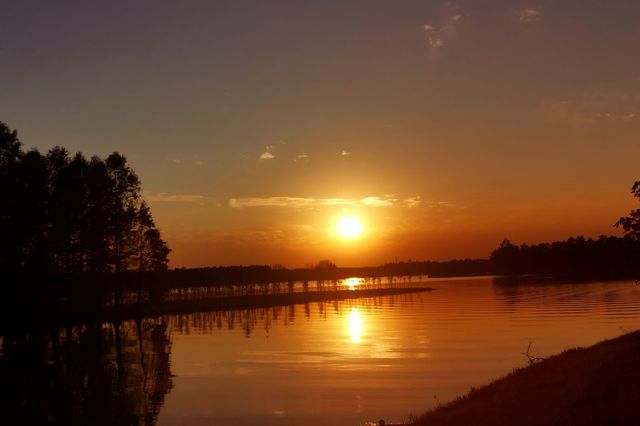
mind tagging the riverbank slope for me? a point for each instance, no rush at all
(598, 385)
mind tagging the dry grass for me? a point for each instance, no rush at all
(599, 385)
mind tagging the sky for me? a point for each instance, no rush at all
(255, 126)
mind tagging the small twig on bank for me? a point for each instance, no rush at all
(438, 404)
(532, 359)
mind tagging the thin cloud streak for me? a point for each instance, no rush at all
(163, 197)
(528, 15)
(311, 203)
(593, 109)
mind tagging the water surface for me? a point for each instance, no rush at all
(344, 363)
(338, 363)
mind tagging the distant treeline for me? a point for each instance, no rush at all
(326, 270)
(64, 213)
(605, 257)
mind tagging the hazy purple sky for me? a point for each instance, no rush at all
(254, 125)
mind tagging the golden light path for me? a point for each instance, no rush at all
(355, 326)
(349, 226)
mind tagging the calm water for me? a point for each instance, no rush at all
(337, 363)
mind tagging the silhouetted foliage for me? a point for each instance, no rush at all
(62, 213)
(631, 224)
(606, 257)
(325, 264)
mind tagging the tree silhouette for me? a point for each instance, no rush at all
(631, 224)
(606, 257)
(66, 214)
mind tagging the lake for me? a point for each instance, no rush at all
(338, 363)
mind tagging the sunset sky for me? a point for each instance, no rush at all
(255, 125)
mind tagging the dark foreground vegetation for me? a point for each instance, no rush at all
(599, 385)
(63, 213)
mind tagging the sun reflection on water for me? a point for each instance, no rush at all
(355, 326)
(353, 283)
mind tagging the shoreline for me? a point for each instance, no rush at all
(596, 385)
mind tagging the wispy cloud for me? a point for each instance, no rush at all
(438, 33)
(528, 15)
(180, 161)
(345, 153)
(164, 197)
(413, 201)
(267, 154)
(379, 201)
(312, 203)
(435, 42)
(594, 108)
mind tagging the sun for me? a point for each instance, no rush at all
(349, 226)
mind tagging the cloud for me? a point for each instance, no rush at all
(528, 15)
(437, 34)
(379, 201)
(612, 116)
(435, 42)
(311, 202)
(301, 157)
(198, 163)
(594, 108)
(413, 201)
(267, 156)
(345, 153)
(163, 197)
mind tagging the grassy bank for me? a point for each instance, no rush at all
(598, 385)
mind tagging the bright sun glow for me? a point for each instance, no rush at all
(353, 283)
(349, 227)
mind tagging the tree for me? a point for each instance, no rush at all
(124, 196)
(10, 159)
(152, 250)
(506, 258)
(68, 199)
(65, 214)
(631, 224)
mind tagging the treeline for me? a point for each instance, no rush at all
(65, 213)
(605, 257)
(324, 270)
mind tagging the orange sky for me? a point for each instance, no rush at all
(444, 126)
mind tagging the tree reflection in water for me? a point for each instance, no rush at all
(116, 374)
(119, 374)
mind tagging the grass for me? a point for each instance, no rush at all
(599, 385)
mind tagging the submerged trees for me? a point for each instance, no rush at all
(66, 214)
